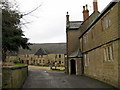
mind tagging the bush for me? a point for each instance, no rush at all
(16, 61)
(45, 65)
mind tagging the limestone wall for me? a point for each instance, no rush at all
(72, 41)
(101, 32)
(100, 47)
(78, 68)
(14, 76)
(42, 60)
(104, 70)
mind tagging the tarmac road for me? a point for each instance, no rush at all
(57, 79)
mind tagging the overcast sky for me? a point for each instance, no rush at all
(48, 23)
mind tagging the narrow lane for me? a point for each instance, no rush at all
(57, 79)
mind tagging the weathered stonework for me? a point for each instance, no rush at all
(99, 68)
(14, 76)
(43, 60)
(99, 45)
(41, 54)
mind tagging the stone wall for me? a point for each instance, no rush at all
(32, 59)
(72, 41)
(11, 58)
(14, 76)
(100, 48)
(78, 68)
(58, 58)
(99, 34)
(99, 68)
(119, 46)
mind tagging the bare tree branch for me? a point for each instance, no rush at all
(25, 23)
(32, 10)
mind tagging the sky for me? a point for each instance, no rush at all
(47, 24)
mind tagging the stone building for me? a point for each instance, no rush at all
(42, 54)
(93, 46)
(11, 56)
(73, 31)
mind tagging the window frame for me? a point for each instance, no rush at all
(86, 60)
(108, 53)
(106, 21)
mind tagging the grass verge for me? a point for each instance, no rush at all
(19, 64)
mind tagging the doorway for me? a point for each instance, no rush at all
(82, 66)
(27, 61)
(73, 67)
(22, 61)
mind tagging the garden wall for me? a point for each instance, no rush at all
(14, 76)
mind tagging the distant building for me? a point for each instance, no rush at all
(93, 45)
(42, 54)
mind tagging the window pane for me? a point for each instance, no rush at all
(59, 56)
(86, 60)
(107, 21)
(111, 52)
(105, 54)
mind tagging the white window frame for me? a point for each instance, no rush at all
(106, 21)
(108, 53)
(86, 59)
(85, 39)
(105, 54)
(111, 52)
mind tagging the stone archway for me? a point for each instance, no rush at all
(73, 66)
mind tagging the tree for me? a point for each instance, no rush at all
(12, 34)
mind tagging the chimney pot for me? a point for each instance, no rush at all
(67, 13)
(83, 8)
(85, 12)
(95, 5)
(67, 19)
(86, 7)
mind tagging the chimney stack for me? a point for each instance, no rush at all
(67, 17)
(85, 12)
(95, 5)
(67, 20)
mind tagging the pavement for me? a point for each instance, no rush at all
(57, 79)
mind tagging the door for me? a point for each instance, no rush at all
(73, 67)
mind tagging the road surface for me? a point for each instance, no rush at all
(57, 79)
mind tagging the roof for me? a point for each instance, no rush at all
(75, 54)
(41, 52)
(88, 21)
(11, 53)
(108, 7)
(73, 25)
(48, 48)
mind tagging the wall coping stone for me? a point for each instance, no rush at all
(14, 67)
